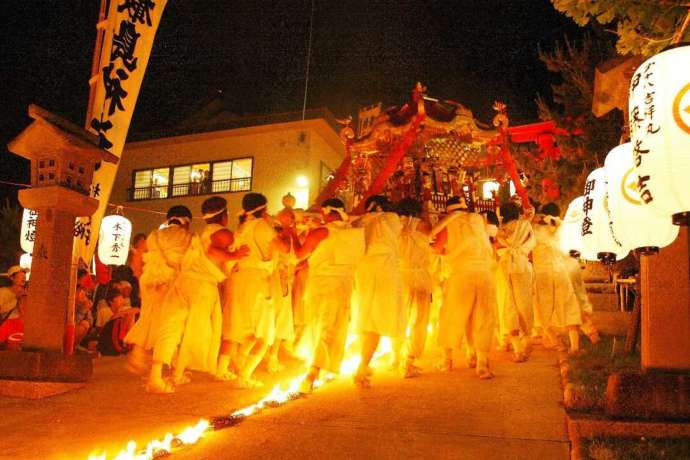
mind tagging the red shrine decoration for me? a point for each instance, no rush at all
(432, 149)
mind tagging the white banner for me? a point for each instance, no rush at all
(366, 119)
(126, 33)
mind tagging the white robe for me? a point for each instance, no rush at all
(469, 301)
(555, 304)
(416, 261)
(162, 263)
(192, 316)
(329, 290)
(515, 277)
(251, 307)
(378, 277)
(281, 285)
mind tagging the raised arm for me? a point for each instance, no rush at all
(314, 237)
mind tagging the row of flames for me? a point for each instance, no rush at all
(279, 395)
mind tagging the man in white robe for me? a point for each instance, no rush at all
(379, 282)
(555, 305)
(251, 307)
(218, 237)
(332, 251)
(514, 280)
(469, 301)
(191, 315)
(416, 264)
(161, 266)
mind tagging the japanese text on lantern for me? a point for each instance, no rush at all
(117, 244)
(28, 230)
(122, 62)
(587, 205)
(31, 226)
(644, 126)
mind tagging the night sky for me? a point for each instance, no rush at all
(473, 52)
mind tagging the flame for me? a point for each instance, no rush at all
(188, 436)
(279, 395)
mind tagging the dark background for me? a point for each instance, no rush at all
(471, 51)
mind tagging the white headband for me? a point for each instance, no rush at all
(252, 211)
(182, 220)
(212, 214)
(343, 215)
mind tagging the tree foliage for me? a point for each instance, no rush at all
(586, 139)
(643, 27)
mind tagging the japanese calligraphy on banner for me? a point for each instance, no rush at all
(126, 33)
(598, 238)
(28, 231)
(659, 111)
(113, 240)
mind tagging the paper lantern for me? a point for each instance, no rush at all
(659, 110)
(113, 241)
(570, 231)
(597, 226)
(28, 231)
(634, 224)
(25, 263)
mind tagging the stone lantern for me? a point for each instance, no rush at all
(63, 159)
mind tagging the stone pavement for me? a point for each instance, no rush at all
(517, 415)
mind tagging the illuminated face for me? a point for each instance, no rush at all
(19, 279)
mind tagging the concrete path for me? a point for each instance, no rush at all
(517, 415)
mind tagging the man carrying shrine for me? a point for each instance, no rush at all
(416, 260)
(469, 298)
(251, 307)
(332, 251)
(191, 315)
(217, 237)
(555, 305)
(379, 282)
(514, 278)
(161, 266)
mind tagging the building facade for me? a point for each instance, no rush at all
(272, 155)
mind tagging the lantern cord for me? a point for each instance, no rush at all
(306, 79)
(679, 35)
(15, 184)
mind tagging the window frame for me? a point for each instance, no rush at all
(131, 190)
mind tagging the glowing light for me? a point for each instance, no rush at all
(279, 395)
(489, 188)
(302, 181)
(25, 263)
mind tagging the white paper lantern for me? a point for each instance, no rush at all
(634, 224)
(25, 263)
(113, 241)
(597, 226)
(659, 109)
(570, 231)
(28, 231)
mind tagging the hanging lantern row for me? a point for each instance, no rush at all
(659, 117)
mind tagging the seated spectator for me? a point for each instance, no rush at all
(83, 319)
(136, 254)
(12, 300)
(124, 273)
(113, 320)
